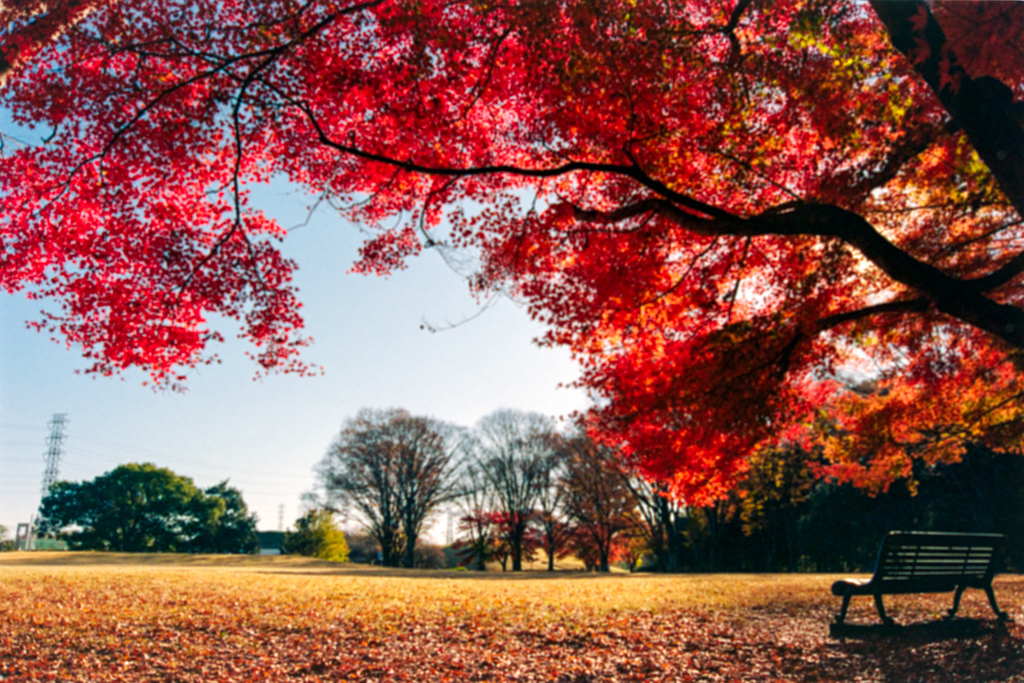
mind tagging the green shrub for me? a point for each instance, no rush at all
(316, 535)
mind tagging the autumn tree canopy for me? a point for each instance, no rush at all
(728, 211)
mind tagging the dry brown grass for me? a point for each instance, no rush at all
(99, 616)
(365, 587)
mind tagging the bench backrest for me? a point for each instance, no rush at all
(937, 560)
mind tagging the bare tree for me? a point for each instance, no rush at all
(512, 448)
(555, 528)
(596, 496)
(476, 505)
(394, 469)
(663, 519)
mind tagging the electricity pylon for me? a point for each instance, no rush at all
(53, 450)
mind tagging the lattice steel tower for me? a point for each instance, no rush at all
(54, 450)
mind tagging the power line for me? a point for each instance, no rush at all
(11, 425)
(160, 458)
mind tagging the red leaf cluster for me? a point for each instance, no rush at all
(726, 211)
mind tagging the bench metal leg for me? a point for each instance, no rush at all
(880, 606)
(842, 610)
(1002, 616)
(956, 602)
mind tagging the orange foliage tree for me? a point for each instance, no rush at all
(722, 208)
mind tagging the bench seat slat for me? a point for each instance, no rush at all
(945, 564)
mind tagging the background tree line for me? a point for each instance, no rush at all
(145, 508)
(525, 490)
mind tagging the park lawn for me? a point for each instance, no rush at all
(112, 617)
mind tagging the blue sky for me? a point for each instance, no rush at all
(266, 436)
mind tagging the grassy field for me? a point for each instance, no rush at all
(111, 617)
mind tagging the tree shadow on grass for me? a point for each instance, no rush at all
(921, 632)
(954, 650)
(291, 565)
(400, 573)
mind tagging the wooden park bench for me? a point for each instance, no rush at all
(927, 562)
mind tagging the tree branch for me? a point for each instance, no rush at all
(962, 299)
(982, 107)
(1002, 275)
(27, 38)
(917, 305)
(953, 296)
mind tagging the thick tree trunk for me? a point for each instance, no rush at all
(387, 549)
(409, 561)
(661, 559)
(982, 107)
(673, 539)
(516, 544)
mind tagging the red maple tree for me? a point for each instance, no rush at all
(722, 209)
